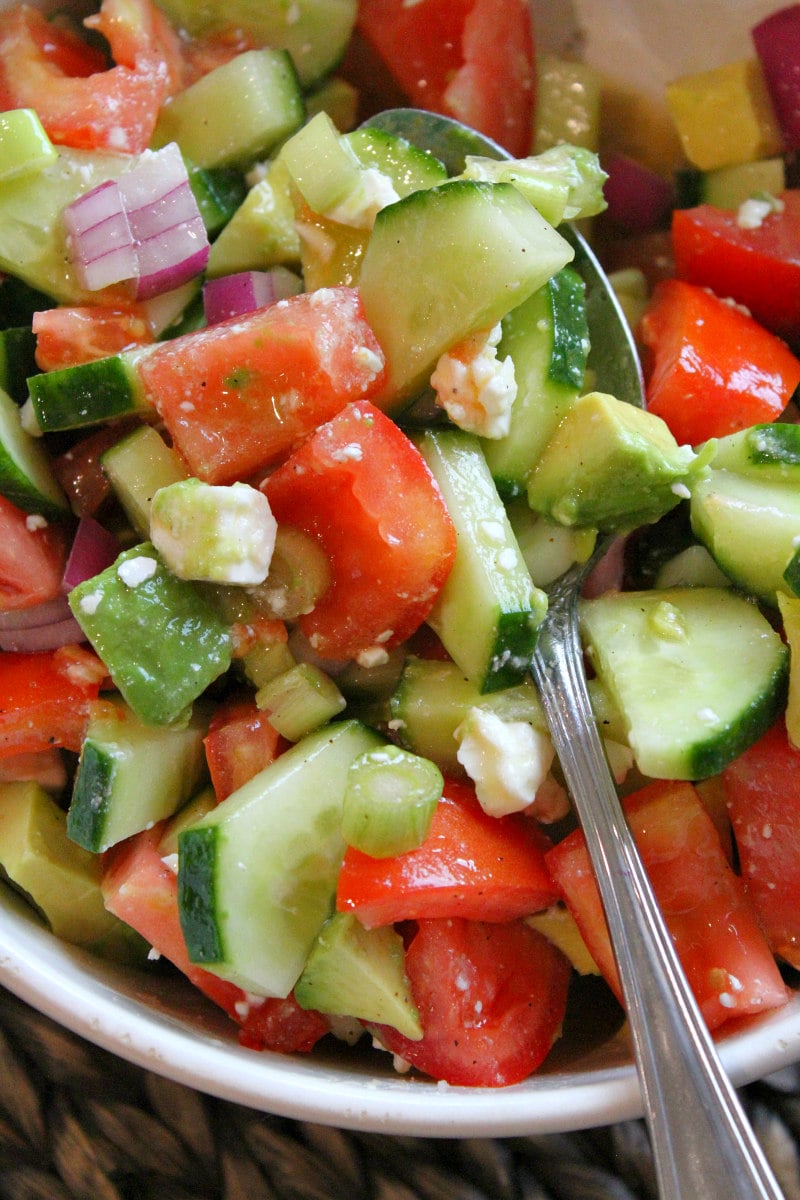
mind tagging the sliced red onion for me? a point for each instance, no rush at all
(99, 237)
(639, 200)
(245, 291)
(93, 549)
(777, 43)
(46, 613)
(42, 637)
(145, 227)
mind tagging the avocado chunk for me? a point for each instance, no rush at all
(159, 636)
(612, 466)
(358, 972)
(60, 879)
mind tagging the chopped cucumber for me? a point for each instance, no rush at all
(17, 359)
(489, 611)
(315, 32)
(25, 148)
(138, 465)
(87, 393)
(26, 474)
(131, 775)
(729, 187)
(257, 876)
(357, 972)
(408, 167)
(698, 674)
(236, 113)
(467, 254)
(547, 339)
(549, 549)
(749, 528)
(768, 453)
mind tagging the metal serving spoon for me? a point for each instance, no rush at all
(703, 1145)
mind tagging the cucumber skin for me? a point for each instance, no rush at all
(197, 895)
(86, 821)
(86, 394)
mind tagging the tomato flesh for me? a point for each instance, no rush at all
(762, 787)
(710, 369)
(32, 559)
(240, 742)
(362, 489)
(46, 698)
(717, 937)
(491, 999)
(470, 865)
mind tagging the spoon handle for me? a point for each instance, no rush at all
(703, 1144)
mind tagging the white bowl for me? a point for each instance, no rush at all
(163, 1025)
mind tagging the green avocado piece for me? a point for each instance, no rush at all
(60, 879)
(611, 466)
(159, 636)
(358, 972)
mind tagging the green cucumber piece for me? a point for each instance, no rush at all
(357, 972)
(25, 148)
(219, 191)
(315, 32)
(467, 254)
(549, 549)
(137, 466)
(131, 775)
(17, 358)
(729, 187)
(768, 453)
(257, 876)
(87, 394)
(159, 636)
(698, 674)
(26, 475)
(547, 339)
(408, 167)
(489, 611)
(749, 528)
(236, 113)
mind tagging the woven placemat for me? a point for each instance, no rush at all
(77, 1123)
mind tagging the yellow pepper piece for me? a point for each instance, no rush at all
(724, 116)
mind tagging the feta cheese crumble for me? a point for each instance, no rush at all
(475, 388)
(134, 571)
(508, 761)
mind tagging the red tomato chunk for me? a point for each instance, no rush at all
(363, 490)
(715, 930)
(240, 395)
(491, 998)
(470, 865)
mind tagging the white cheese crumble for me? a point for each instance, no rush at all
(373, 656)
(475, 388)
(35, 521)
(752, 213)
(134, 571)
(359, 208)
(506, 760)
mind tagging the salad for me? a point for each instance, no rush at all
(297, 425)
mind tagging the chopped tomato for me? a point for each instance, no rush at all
(470, 865)
(141, 889)
(240, 742)
(363, 490)
(710, 918)
(759, 268)
(710, 369)
(45, 698)
(32, 559)
(470, 59)
(491, 999)
(239, 395)
(67, 336)
(67, 50)
(112, 110)
(763, 793)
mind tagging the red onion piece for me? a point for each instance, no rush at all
(171, 258)
(42, 637)
(638, 199)
(45, 613)
(607, 574)
(99, 237)
(777, 43)
(93, 549)
(231, 295)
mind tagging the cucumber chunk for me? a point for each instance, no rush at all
(26, 476)
(131, 775)
(489, 611)
(698, 674)
(467, 253)
(257, 876)
(88, 393)
(749, 528)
